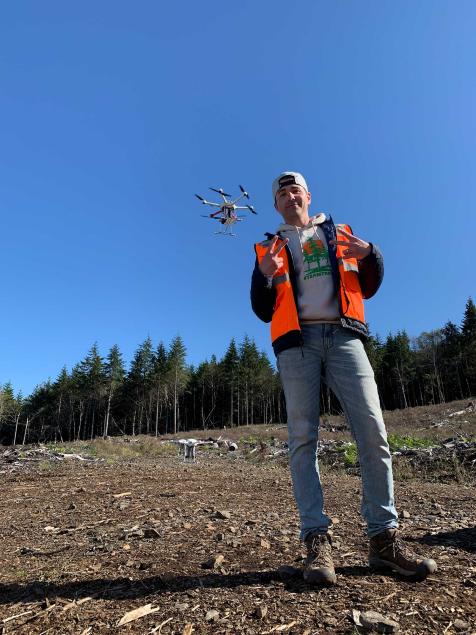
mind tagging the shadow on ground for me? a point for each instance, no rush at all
(124, 588)
(461, 538)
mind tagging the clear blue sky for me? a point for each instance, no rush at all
(113, 114)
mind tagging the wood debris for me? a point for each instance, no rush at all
(136, 614)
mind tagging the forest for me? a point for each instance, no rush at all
(160, 393)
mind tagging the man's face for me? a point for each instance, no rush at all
(292, 202)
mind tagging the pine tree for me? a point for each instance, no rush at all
(398, 363)
(468, 326)
(429, 364)
(230, 368)
(93, 384)
(452, 366)
(138, 383)
(178, 375)
(114, 378)
(248, 372)
(159, 382)
(468, 337)
(61, 388)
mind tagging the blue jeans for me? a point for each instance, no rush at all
(350, 376)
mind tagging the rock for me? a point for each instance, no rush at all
(405, 514)
(214, 562)
(373, 621)
(265, 544)
(223, 514)
(261, 611)
(212, 616)
(460, 625)
(151, 532)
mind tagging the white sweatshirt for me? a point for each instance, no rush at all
(317, 301)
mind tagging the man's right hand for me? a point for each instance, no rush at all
(272, 261)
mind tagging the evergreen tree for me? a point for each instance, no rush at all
(138, 384)
(178, 375)
(248, 372)
(398, 363)
(159, 382)
(114, 378)
(61, 389)
(468, 337)
(451, 357)
(429, 365)
(468, 326)
(92, 379)
(8, 410)
(230, 368)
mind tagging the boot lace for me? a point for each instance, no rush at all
(397, 547)
(320, 547)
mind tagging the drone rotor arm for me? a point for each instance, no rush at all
(238, 198)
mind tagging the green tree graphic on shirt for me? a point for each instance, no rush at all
(316, 259)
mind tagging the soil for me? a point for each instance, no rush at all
(85, 543)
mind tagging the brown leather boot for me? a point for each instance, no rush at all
(387, 551)
(318, 565)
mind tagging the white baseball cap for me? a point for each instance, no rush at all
(288, 178)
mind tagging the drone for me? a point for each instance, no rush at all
(226, 213)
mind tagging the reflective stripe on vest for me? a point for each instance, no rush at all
(351, 300)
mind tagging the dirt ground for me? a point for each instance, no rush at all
(83, 544)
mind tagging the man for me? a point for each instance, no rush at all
(309, 281)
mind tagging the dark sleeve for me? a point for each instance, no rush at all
(371, 272)
(263, 297)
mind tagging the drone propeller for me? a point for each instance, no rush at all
(245, 193)
(220, 191)
(200, 198)
(252, 209)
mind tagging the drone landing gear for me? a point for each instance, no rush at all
(225, 233)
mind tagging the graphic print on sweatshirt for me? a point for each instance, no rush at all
(315, 259)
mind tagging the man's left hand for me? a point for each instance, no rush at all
(355, 247)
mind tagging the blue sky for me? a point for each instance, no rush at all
(113, 114)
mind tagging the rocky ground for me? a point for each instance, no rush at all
(199, 547)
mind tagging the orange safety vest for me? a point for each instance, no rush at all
(285, 314)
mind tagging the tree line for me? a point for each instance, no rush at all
(160, 393)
